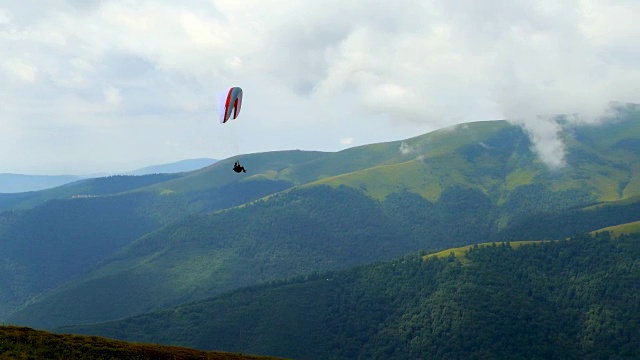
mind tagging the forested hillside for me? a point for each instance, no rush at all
(569, 299)
(48, 245)
(61, 239)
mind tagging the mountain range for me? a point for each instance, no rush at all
(17, 183)
(115, 247)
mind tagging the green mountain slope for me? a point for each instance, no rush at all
(456, 186)
(628, 228)
(210, 179)
(67, 231)
(212, 253)
(301, 231)
(25, 343)
(493, 156)
(260, 166)
(575, 299)
(57, 234)
(43, 247)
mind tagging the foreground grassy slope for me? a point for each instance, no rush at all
(25, 343)
(575, 299)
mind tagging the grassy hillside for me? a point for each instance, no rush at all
(498, 164)
(575, 299)
(460, 253)
(25, 343)
(432, 162)
(628, 228)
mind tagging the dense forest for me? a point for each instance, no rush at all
(569, 299)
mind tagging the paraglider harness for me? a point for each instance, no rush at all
(237, 168)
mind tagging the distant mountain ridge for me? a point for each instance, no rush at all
(171, 168)
(17, 183)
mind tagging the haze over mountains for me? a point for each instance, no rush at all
(109, 248)
(174, 167)
(16, 183)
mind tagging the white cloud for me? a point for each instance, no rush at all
(406, 149)
(346, 141)
(112, 96)
(545, 134)
(4, 17)
(21, 70)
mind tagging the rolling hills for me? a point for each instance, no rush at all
(296, 212)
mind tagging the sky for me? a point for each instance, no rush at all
(91, 86)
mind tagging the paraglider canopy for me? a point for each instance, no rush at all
(229, 102)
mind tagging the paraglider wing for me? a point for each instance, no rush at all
(228, 102)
